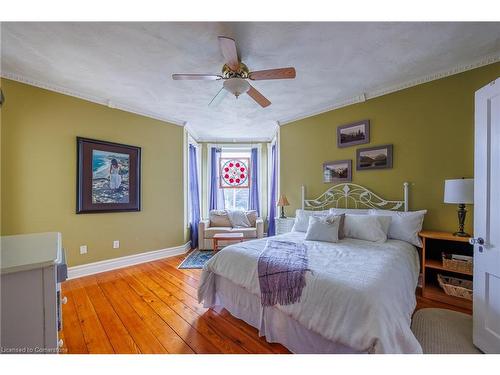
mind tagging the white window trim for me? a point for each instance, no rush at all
(192, 141)
(209, 176)
(275, 141)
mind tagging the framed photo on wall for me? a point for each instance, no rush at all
(108, 177)
(379, 157)
(337, 171)
(356, 133)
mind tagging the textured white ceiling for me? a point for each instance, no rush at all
(129, 65)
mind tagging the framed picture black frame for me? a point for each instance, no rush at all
(344, 140)
(86, 185)
(372, 160)
(329, 176)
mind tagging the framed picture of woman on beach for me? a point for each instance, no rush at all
(108, 177)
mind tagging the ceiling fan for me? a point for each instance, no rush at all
(236, 75)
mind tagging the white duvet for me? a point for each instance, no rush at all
(360, 294)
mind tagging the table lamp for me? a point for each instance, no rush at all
(461, 192)
(282, 202)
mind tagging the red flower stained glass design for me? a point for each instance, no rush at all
(234, 173)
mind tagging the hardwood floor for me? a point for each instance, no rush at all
(152, 308)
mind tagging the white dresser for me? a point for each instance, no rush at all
(283, 225)
(32, 269)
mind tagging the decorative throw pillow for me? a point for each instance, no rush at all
(238, 219)
(405, 226)
(252, 217)
(323, 228)
(302, 219)
(219, 218)
(341, 226)
(367, 227)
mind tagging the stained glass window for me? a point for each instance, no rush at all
(234, 173)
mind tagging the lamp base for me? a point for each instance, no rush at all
(282, 216)
(461, 221)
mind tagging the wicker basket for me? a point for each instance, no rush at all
(456, 264)
(453, 286)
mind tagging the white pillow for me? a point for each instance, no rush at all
(238, 219)
(302, 219)
(252, 217)
(219, 218)
(405, 226)
(367, 227)
(323, 228)
(351, 211)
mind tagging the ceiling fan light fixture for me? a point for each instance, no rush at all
(235, 73)
(236, 86)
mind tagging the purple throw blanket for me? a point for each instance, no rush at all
(282, 267)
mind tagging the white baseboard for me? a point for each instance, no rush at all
(129, 260)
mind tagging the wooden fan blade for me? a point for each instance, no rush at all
(258, 97)
(201, 77)
(218, 98)
(280, 73)
(228, 49)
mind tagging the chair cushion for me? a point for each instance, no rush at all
(238, 218)
(252, 217)
(247, 232)
(219, 218)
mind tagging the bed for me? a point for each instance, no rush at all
(358, 298)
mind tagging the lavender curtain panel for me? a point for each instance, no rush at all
(253, 203)
(271, 231)
(216, 198)
(194, 196)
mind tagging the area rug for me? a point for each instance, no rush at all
(442, 331)
(197, 259)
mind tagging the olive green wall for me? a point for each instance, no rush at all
(39, 130)
(431, 127)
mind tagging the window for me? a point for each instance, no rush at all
(235, 179)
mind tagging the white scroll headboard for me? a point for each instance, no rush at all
(345, 195)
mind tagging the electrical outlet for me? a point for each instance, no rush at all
(116, 244)
(83, 249)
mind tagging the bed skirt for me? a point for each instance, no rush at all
(273, 324)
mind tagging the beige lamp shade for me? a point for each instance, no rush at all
(459, 191)
(282, 201)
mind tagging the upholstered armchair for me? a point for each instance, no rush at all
(218, 222)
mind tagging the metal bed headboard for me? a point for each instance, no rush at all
(355, 194)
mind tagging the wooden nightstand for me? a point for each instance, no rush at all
(434, 243)
(284, 225)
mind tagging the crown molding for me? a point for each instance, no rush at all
(433, 77)
(192, 132)
(340, 104)
(94, 99)
(240, 140)
(233, 140)
(390, 89)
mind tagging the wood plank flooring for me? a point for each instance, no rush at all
(152, 308)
